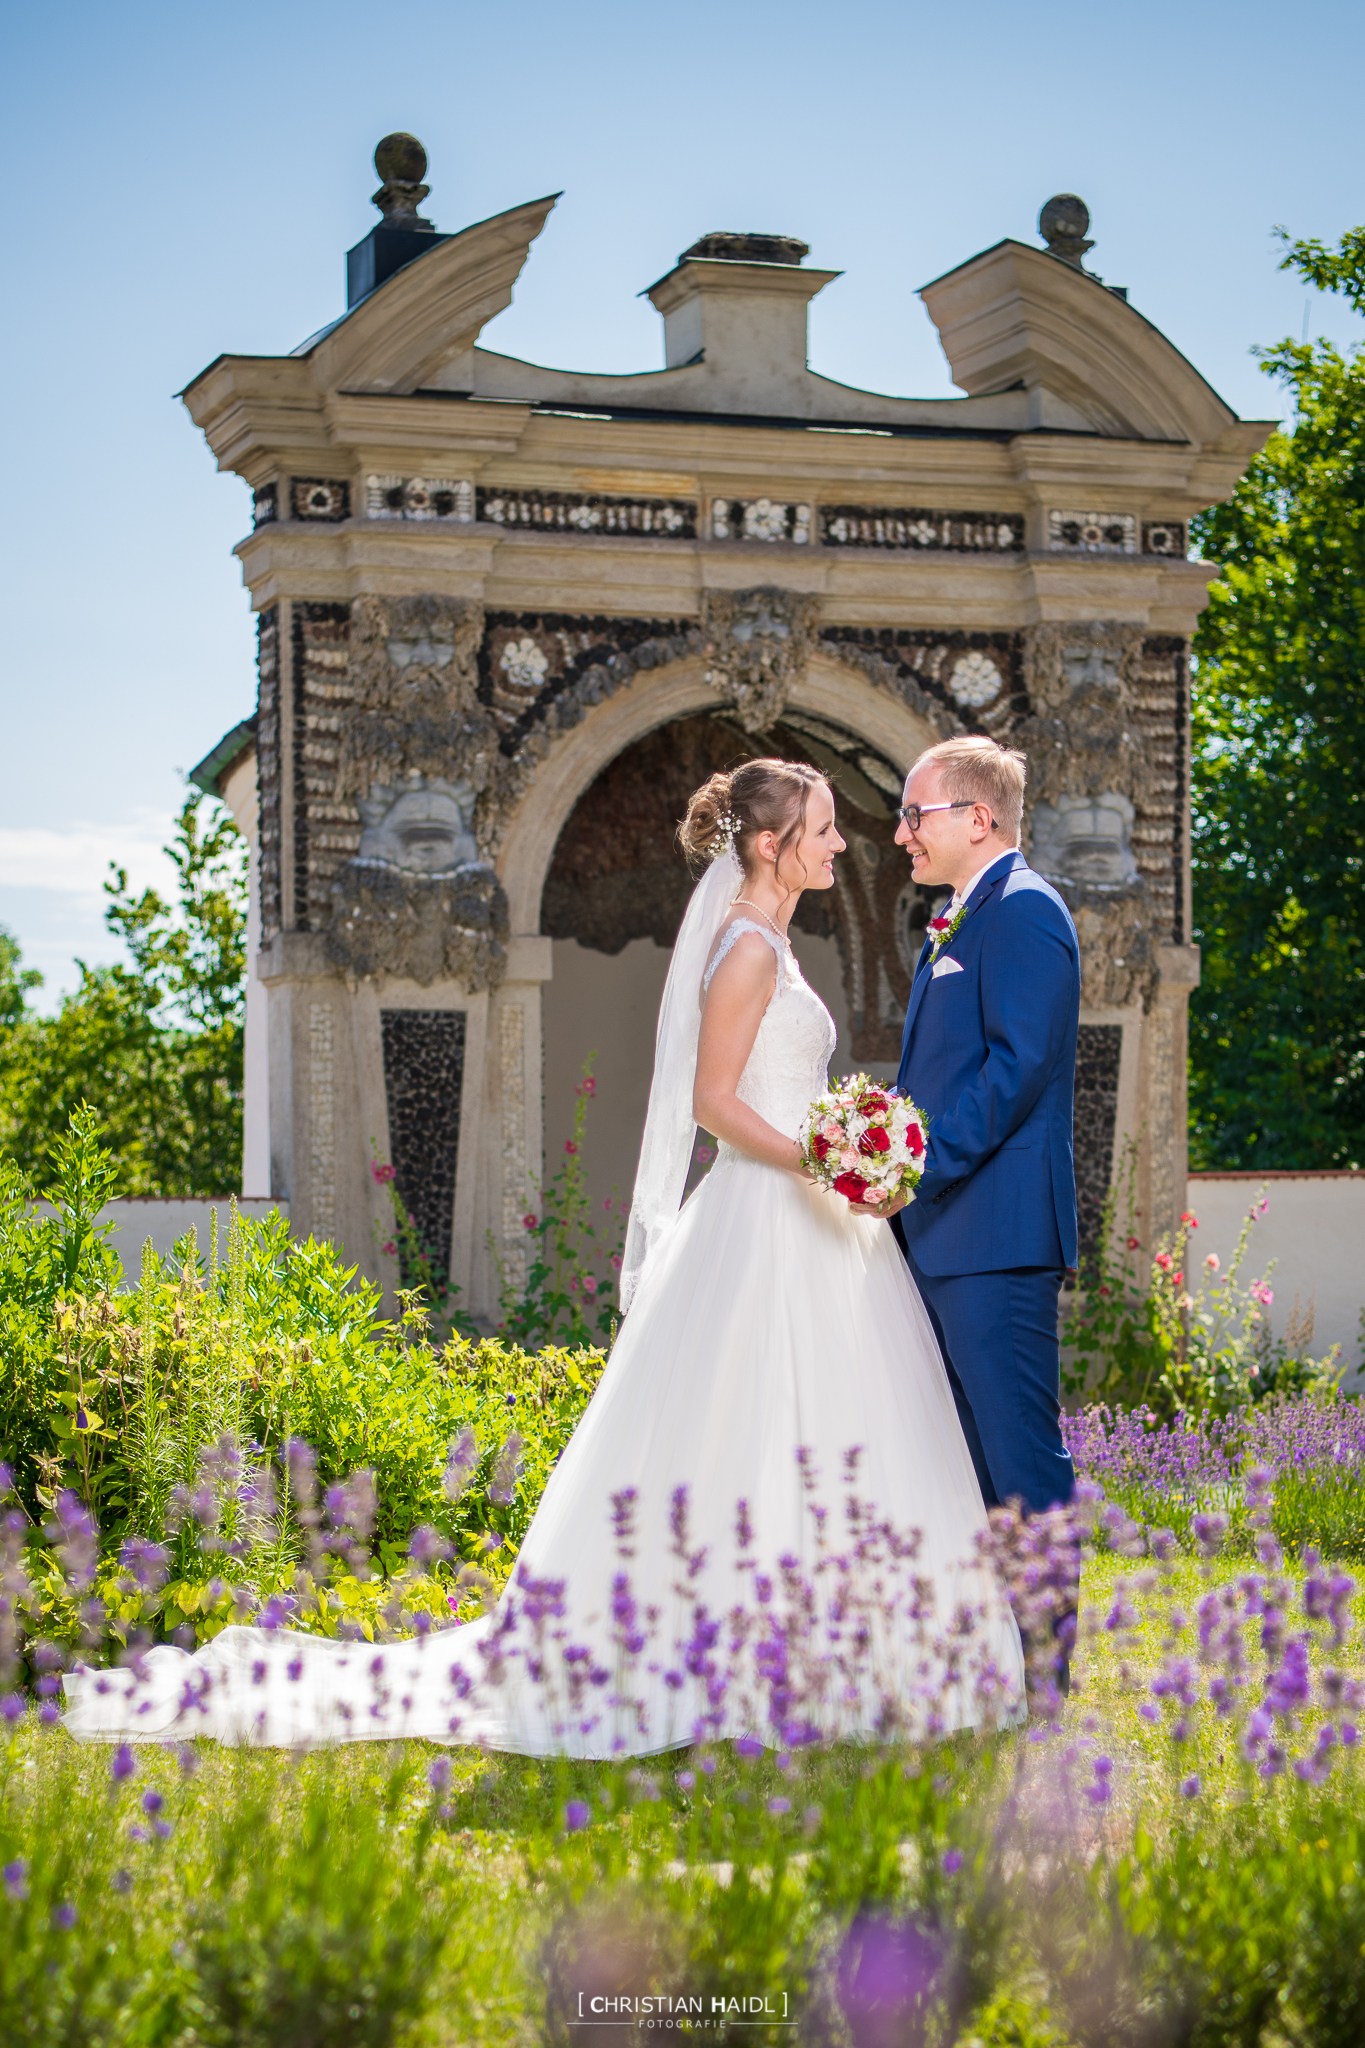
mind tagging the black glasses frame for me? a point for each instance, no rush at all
(913, 813)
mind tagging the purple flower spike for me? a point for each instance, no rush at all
(123, 1764)
(748, 1745)
(577, 1814)
(16, 1879)
(686, 1780)
(64, 1917)
(779, 1806)
(951, 1862)
(12, 1706)
(1189, 1787)
(439, 1776)
(152, 1801)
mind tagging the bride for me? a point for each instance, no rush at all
(684, 1576)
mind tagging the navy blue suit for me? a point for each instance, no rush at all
(989, 1055)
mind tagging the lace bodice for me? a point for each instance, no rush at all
(789, 1064)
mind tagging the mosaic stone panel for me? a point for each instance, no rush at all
(960, 533)
(1093, 533)
(759, 519)
(977, 676)
(528, 660)
(569, 512)
(326, 498)
(325, 832)
(419, 497)
(1160, 710)
(423, 1075)
(1163, 537)
(265, 504)
(1098, 1053)
(268, 768)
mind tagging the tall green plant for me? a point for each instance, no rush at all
(571, 1292)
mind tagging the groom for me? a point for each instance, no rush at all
(989, 1055)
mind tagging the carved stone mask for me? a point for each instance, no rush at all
(423, 829)
(1085, 839)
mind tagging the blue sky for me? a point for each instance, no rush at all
(185, 180)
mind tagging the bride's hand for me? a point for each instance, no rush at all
(887, 1209)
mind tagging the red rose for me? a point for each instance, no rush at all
(851, 1184)
(914, 1139)
(875, 1140)
(818, 1145)
(872, 1105)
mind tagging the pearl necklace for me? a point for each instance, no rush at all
(751, 905)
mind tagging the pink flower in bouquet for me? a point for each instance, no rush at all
(848, 1159)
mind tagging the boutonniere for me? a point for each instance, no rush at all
(941, 929)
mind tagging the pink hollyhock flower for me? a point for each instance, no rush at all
(1164, 1261)
(529, 1222)
(390, 1250)
(570, 1147)
(382, 1174)
(1132, 1244)
(589, 1284)
(616, 1261)
(587, 1086)
(1188, 1216)
(1213, 1262)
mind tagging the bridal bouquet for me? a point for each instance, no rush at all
(864, 1141)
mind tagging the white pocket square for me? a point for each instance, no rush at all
(946, 966)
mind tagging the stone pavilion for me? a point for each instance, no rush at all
(509, 616)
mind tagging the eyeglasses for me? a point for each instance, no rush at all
(912, 813)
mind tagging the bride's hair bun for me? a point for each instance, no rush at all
(707, 825)
(736, 805)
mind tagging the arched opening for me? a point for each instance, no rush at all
(615, 893)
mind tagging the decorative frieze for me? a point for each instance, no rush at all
(973, 676)
(1163, 537)
(423, 1080)
(419, 497)
(541, 667)
(326, 831)
(763, 519)
(1093, 533)
(268, 768)
(568, 512)
(960, 533)
(265, 504)
(323, 498)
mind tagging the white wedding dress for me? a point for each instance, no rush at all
(770, 1320)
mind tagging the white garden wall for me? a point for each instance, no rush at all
(143, 1216)
(1314, 1229)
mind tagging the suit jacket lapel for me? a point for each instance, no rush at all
(923, 976)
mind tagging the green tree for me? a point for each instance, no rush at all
(155, 1044)
(1277, 1028)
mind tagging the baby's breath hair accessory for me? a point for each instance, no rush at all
(730, 829)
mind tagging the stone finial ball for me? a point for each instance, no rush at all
(400, 159)
(1064, 218)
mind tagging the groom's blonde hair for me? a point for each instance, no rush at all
(979, 770)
